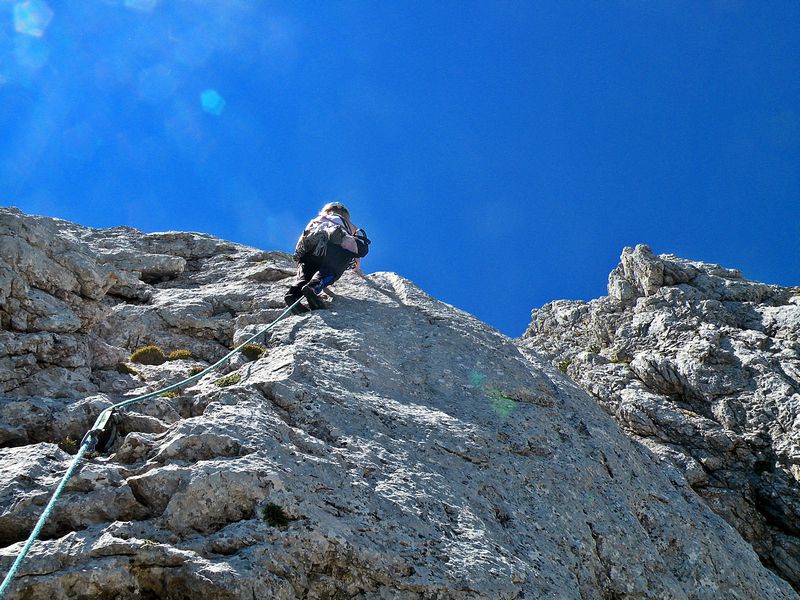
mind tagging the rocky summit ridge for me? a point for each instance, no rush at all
(702, 366)
(390, 447)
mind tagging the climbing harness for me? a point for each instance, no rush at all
(100, 434)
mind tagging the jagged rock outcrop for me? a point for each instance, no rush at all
(703, 367)
(60, 282)
(391, 447)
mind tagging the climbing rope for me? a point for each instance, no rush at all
(91, 437)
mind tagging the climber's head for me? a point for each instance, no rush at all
(336, 208)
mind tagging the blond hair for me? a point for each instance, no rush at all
(337, 208)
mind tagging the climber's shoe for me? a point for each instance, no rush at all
(314, 301)
(299, 309)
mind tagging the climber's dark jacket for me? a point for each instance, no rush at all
(322, 264)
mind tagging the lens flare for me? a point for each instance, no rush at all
(501, 401)
(184, 129)
(32, 17)
(31, 53)
(142, 5)
(476, 378)
(502, 404)
(157, 84)
(212, 102)
(80, 142)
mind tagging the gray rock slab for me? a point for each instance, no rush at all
(390, 447)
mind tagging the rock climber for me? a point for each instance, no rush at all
(328, 246)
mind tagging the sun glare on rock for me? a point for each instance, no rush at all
(32, 17)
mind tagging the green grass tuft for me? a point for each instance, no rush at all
(148, 355)
(69, 445)
(196, 370)
(564, 365)
(172, 394)
(179, 354)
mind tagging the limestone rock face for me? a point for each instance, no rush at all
(390, 447)
(702, 366)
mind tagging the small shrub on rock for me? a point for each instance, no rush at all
(172, 394)
(179, 354)
(253, 351)
(228, 380)
(149, 355)
(564, 365)
(69, 445)
(195, 371)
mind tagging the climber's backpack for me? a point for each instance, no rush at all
(315, 237)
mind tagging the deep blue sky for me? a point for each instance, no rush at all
(499, 154)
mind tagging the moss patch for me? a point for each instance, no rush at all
(179, 355)
(275, 515)
(253, 351)
(125, 369)
(231, 379)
